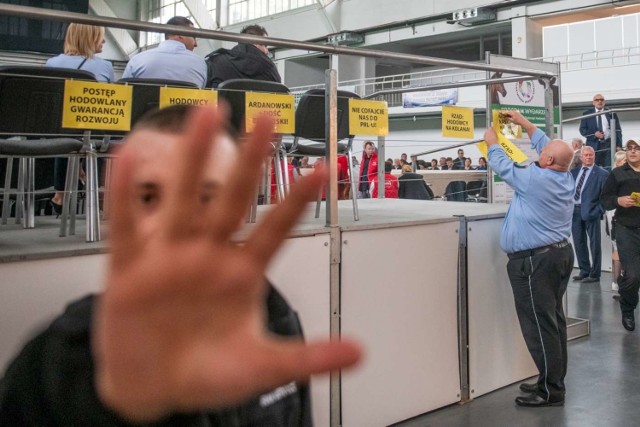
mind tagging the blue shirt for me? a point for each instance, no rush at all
(171, 61)
(542, 207)
(101, 68)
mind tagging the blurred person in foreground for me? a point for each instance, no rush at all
(180, 336)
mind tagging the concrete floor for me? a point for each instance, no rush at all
(602, 379)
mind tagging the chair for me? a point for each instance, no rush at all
(476, 191)
(146, 94)
(233, 92)
(455, 191)
(310, 125)
(31, 100)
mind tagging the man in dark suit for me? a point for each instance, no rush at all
(588, 210)
(597, 130)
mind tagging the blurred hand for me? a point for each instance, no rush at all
(180, 327)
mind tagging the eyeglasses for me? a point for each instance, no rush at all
(633, 149)
(599, 99)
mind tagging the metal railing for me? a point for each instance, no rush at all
(596, 59)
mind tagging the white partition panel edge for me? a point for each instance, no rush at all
(497, 353)
(399, 293)
(301, 273)
(35, 292)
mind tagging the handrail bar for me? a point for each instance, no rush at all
(127, 24)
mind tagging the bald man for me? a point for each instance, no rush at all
(535, 237)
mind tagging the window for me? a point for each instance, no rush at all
(160, 11)
(245, 10)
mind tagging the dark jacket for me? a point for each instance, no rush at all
(412, 186)
(622, 181)
(50, 383)
(590, 207)
(589, 126)
(244, 61)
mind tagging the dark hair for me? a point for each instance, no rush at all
(180, 21)
(388, 166)
(254, 30)
(170, 120)
(482, 158)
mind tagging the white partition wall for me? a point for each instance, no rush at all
(498, 355)
(301, 273)
(399, 299)
(35, 292)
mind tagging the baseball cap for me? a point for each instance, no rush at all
(633, 141)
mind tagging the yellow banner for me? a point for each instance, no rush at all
(368, 117)
(457, 122)
(509, 147)
(502, 126)
(179, 96)
(91, 106)
(279, 107)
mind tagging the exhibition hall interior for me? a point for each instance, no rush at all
(494, 281)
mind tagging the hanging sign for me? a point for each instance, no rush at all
(278, 107)
(368, 117)
(185, 96)
(89, 105)
(457, 122)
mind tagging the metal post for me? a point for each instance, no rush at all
(29, 196)
(335, 381)
(614, 140)
(463, 326)
(488, 117)
(6, 198)
(331, 141)
(92, 208)
(548, 108)
(381, 162)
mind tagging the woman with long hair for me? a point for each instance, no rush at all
(81, 44)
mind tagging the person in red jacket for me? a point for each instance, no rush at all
(368, 168)
(390, 183)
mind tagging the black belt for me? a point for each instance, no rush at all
(536, 251)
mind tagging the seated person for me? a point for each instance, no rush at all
(412, 185)
(244, 61)
(173, 59)
(81, 44)
(176, 339)
(390, 183)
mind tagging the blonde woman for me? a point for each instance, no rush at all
(81, 44)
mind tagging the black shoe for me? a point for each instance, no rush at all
(628, 321)
(529, 387)
(590, 280)
(535, 401)
(57, 209)
(579, 277)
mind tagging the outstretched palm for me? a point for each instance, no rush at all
(180, 326)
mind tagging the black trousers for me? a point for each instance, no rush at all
(580, 229)
(628, 241)
(603, 153)
(539, 283)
